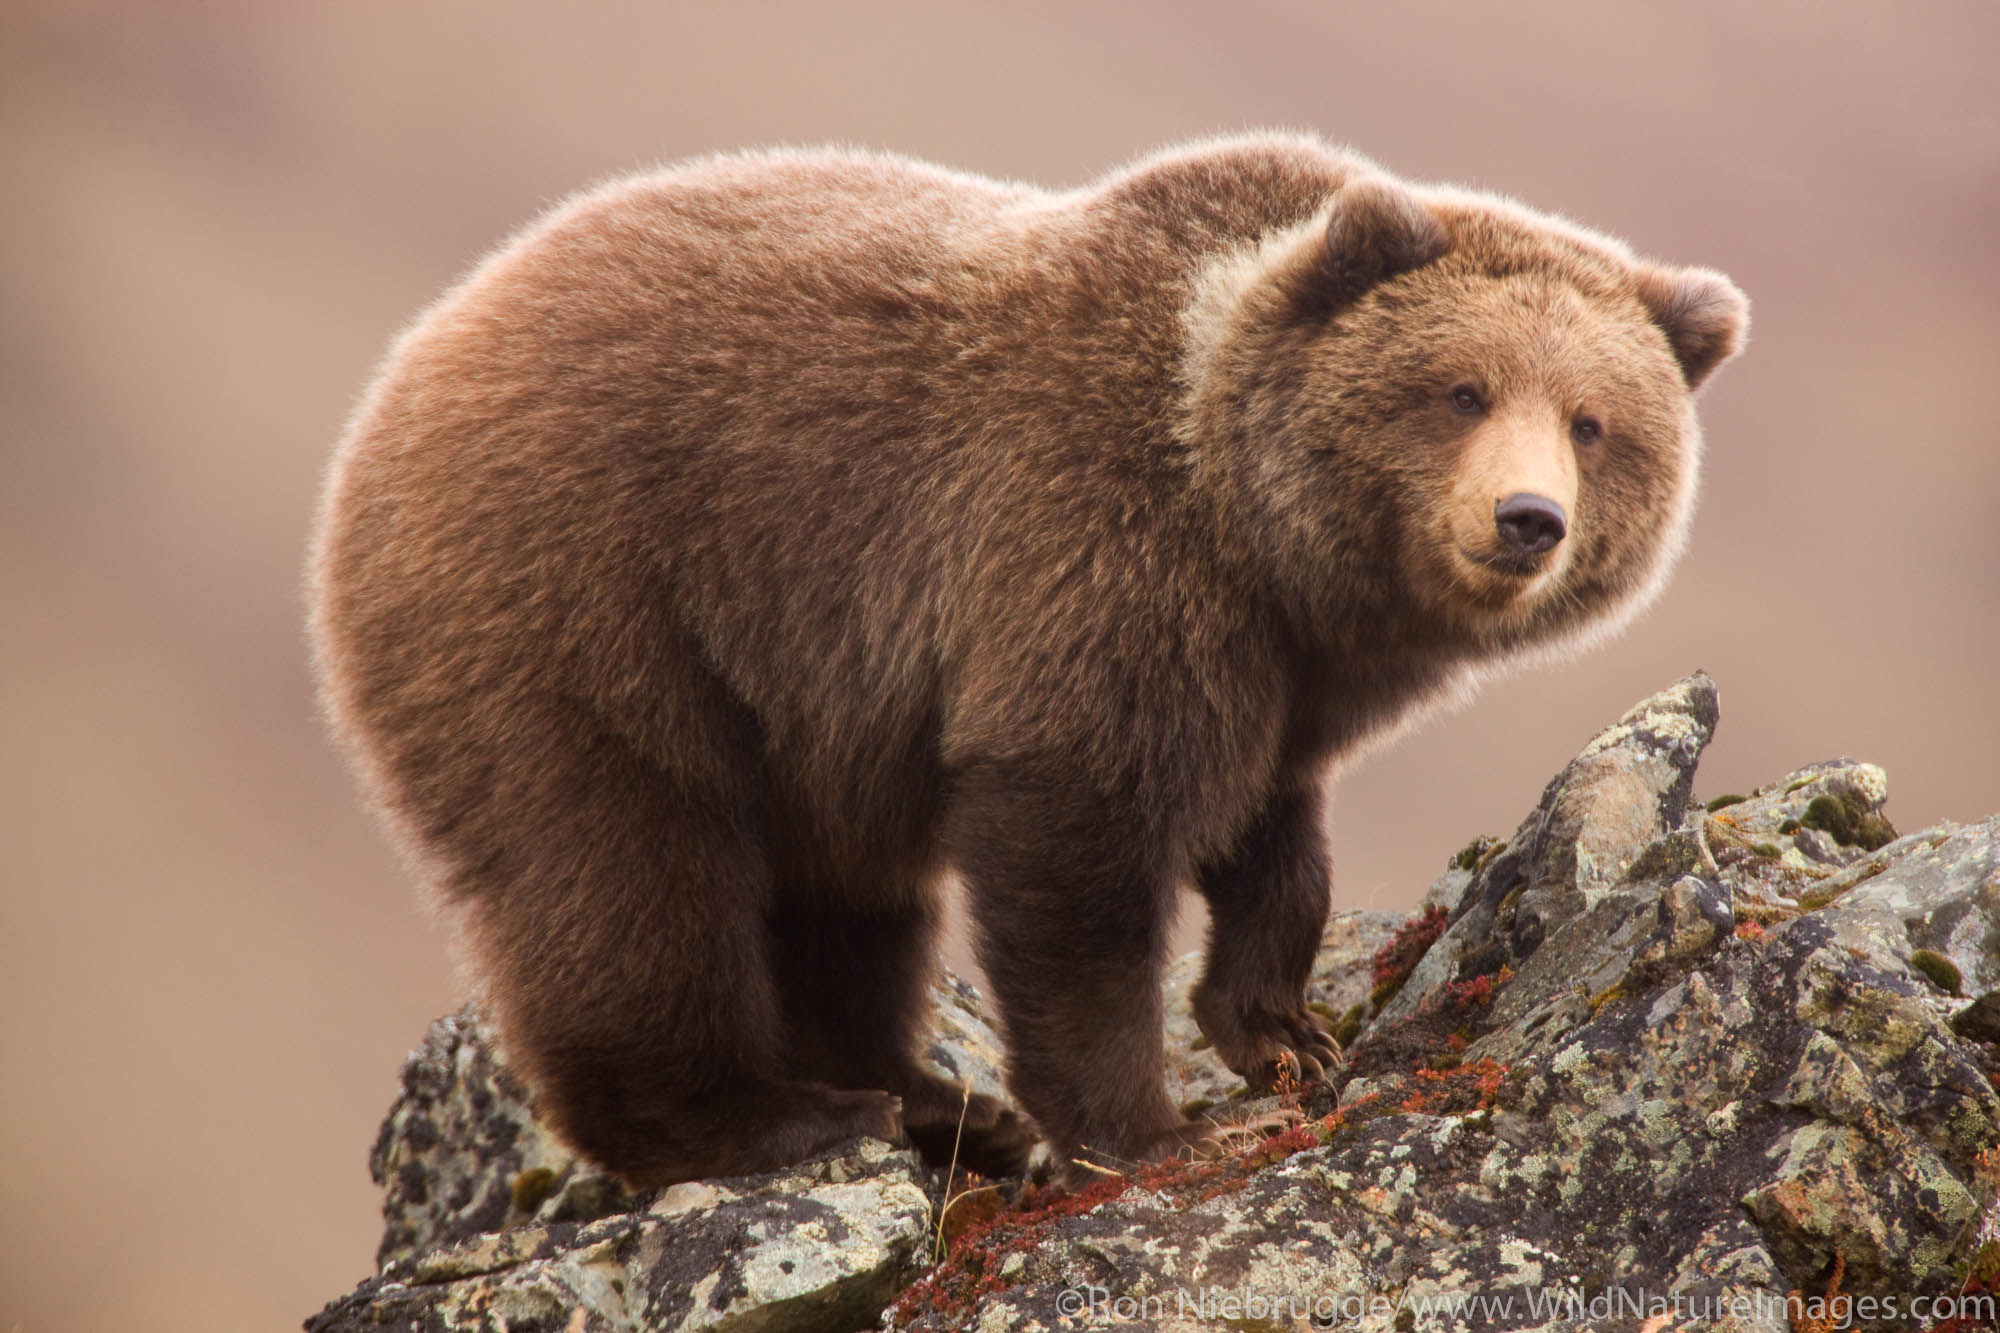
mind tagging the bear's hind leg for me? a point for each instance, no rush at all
(617, 914)
(855, 985)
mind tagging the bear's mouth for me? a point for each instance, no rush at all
(1490, 583)
(1513, 564)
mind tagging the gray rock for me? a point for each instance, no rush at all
(1651, 1068)
(1562, 873)
(1937, 890)
(964, 1048)
(461, 1152)
(1662, 1062)
(490, 1221)
(823, 1247)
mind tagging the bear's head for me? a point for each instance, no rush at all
(1437, 401)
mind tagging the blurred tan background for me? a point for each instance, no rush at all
(213, 218)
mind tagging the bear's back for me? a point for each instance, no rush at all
(587, 470)
(663, 356)
(825, 424)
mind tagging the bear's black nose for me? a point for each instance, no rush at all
(1529, 524)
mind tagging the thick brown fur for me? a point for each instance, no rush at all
(747, 543)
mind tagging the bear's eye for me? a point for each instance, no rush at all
(1466, 399)
(1585, 430)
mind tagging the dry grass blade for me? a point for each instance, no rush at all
(957, 1138)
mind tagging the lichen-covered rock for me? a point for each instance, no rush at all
(1662, 1066)
(1542, 899)
(461, 1152)
(485, 1211)
(1663, 1063)
(823, 1247)
(964, 1049)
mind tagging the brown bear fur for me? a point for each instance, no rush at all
(745, 544)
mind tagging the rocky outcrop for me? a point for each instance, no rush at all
(1644, 1063)
(491, 1223)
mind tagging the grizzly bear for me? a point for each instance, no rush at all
(747, 545)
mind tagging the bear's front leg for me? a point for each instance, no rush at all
(1267, 906)
(1071, 894)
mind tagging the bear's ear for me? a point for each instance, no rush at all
(1378, 230)
(1703, 314)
